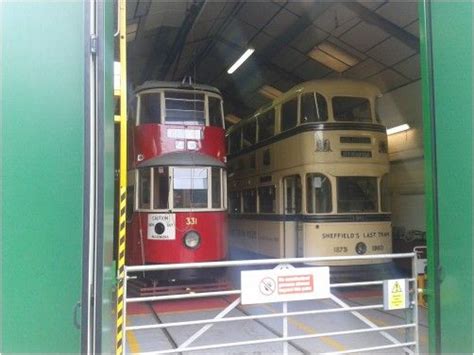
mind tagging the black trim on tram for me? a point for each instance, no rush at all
(324, 218)
(309, 127)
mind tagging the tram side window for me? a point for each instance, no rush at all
(319, 196)
(190, 187)
(385, 197)
(266, 197)
(289, 114)
(353, 109)
(184, 108)
(356, 194)
(216, 187)
(150, 108)
(234, 202)
(266, 125)
(215, 112)
(250, 200)
(160, 188)
(249, 134)
(314, 108)
(144, 182)
(234, 144)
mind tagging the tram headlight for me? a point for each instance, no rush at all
(192, 239)
(361, 248)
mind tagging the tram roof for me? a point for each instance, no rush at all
(156, 84)
(183, 158)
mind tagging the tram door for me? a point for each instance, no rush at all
(292, 236)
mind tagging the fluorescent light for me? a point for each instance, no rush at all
(398, 129)
(269, 92)
(240, 61)
(333, 57)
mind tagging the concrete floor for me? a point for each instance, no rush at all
(155, 340)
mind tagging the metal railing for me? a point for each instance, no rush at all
(410, 344)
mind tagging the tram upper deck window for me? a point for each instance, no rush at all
(184, 108)
(352, 109)
(150, 108)
(215, 112)
(318, 193)
(289, 114)
(356, 194)
(249, 134)
(266, 125)
(314, 108)
(190, 187)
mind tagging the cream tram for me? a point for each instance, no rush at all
(308, 175)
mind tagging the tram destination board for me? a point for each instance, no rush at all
(284, 283)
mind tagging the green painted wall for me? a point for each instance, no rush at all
(42, 174)
(108, 264)
(446, 37)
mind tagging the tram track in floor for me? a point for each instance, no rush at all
(270, 329)
(166, 332)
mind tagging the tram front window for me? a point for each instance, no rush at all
(184, 108)
(150, 108)
(356, 194)
(352, 109)
(318, 189)
(190, 187)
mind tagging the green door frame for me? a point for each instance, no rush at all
(446, 68)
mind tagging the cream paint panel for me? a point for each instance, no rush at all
(341, 239)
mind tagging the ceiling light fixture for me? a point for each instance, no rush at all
(269, 92)
(333, 57)
(241, 60)
(398, 129)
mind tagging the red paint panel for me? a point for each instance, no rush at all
(211, 226)
(151, 140)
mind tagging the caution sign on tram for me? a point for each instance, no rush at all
(395, 294)
(284, 283)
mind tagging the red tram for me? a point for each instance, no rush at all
(177, 177)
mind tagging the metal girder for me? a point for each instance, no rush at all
(375, 19)
(176, 48)
(174, 53)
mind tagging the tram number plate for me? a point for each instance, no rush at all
(191, 221)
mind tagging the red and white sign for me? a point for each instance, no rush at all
(284, 283)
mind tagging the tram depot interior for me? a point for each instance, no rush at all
(292, 42)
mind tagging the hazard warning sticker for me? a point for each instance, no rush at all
(284, 283)
(395, 294)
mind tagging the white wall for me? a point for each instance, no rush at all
(400, 106)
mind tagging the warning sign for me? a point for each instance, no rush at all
(395, 294)
(161, 226)
(284, 283)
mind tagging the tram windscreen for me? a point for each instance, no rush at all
(351, 109)
(357, 194)
(190, 188)
(184, 108)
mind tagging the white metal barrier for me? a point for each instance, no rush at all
(410, 344)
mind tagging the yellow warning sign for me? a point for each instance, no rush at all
(395, 294)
